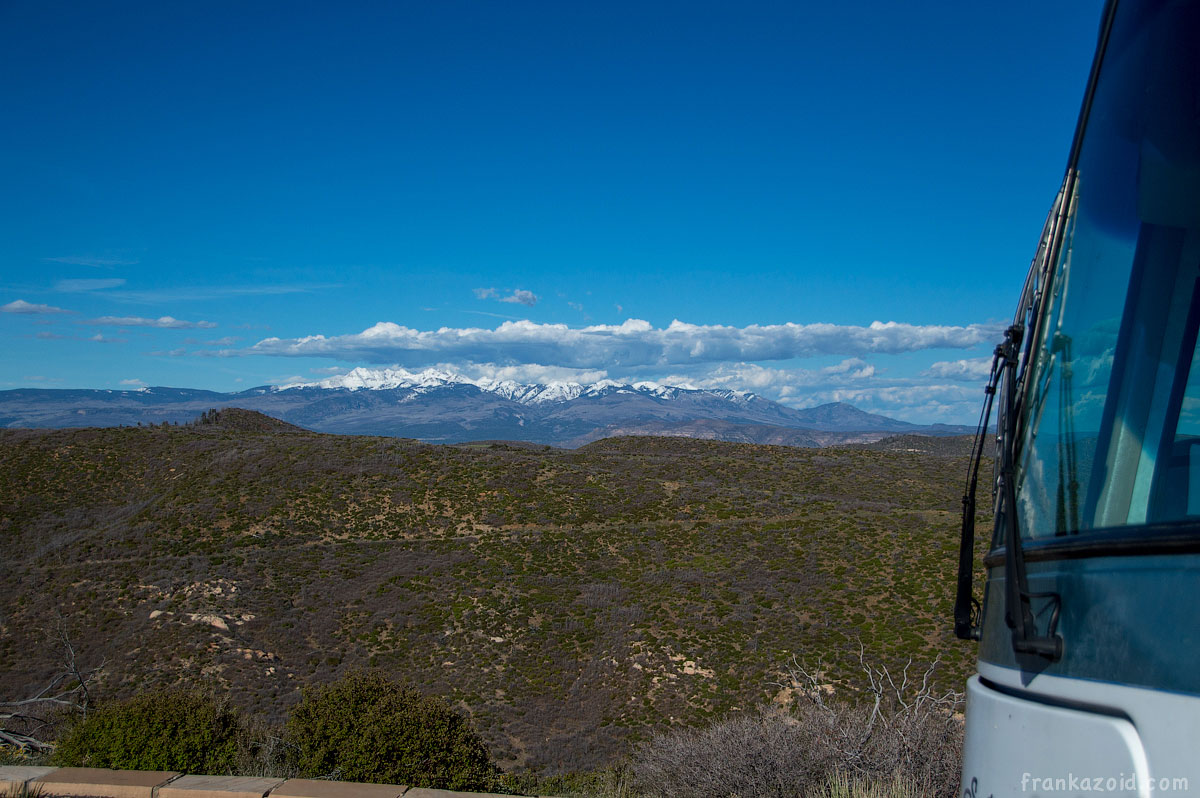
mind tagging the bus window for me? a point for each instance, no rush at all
(1111, 424)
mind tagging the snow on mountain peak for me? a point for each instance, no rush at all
(603, 385)
(360, 379)
(654, 389)
(374, 380)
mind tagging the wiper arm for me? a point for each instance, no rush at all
(1007, 373)
(966, 607)
(1018, 605)
(1017, 600)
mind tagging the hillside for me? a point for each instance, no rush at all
(946, 446)
(570, 601)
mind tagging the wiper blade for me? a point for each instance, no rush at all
(966, 606)
(1010, 367)
(1018, 600)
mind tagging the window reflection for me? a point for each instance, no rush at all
(1111, 428)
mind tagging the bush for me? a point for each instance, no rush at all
(369, 728)
(765, 755)
(899, 739)
(180, 730)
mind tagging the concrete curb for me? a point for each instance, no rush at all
(218, 787)
(13, 778)
(101, 783)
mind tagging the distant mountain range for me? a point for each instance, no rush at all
(440, 407)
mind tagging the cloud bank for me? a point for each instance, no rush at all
(973, 370)
(631, 345)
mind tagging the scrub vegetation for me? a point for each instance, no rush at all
(573, 605)
(162, 729)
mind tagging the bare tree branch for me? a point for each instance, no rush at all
(69, 690)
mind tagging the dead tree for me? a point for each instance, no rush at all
(899, 722)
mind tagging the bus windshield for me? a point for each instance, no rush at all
(1110, 429)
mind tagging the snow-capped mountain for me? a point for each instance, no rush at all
(361, 379)
(443, 407)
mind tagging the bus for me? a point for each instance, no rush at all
(1088, 644)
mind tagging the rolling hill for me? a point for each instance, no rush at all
(571, 601)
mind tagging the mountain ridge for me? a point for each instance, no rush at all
(440, 407)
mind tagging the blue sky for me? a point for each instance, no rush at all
(813, 201)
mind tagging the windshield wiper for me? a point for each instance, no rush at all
(1009, 367)
(1017, 597)
(1018, 600)
(966, 606)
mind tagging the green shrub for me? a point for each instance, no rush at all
(369, 728)
(180, 730)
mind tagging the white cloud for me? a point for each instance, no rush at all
(971, 370)
(21, 306)
(163, 322)
(521, 297)
(76, 286)
(134, 382)
(633, 344)
(794, 386)
(744, 377)
(905, 394)
(852, 369)
(518, 297)
(774, 383)
(922, 403)
(920, 399)
(528, 373)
